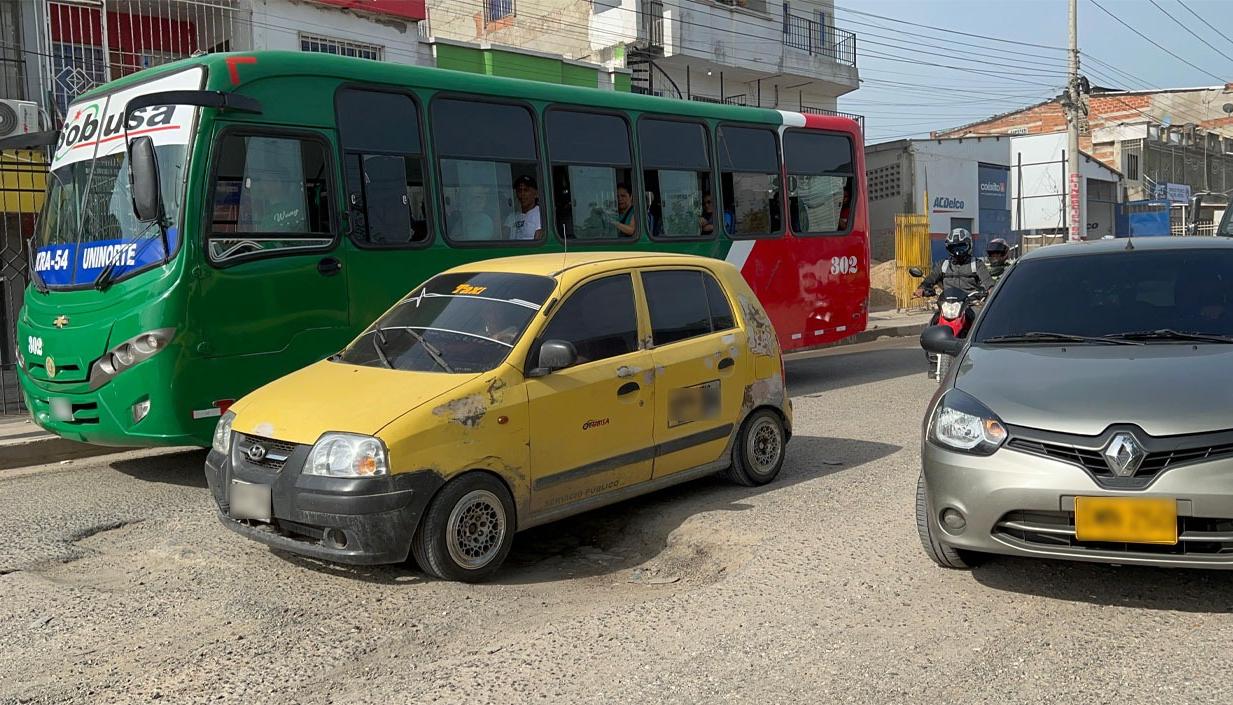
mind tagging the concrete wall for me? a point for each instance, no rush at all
(553, 26)
(884, 208)
(277, 24)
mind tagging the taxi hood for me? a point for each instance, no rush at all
(332, 396)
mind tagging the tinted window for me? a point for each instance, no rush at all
(1190, 290)
(750, 180)
(376, 121)
(682, 304)
(461, 322)
(599, 319)
(721, 310)
(677, 177)
(489, 171)
(587, 138)
(591, 165)
(270, 186)
(821, 180)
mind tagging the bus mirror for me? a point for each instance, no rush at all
(143, 180)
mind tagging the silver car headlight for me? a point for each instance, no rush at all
(347, 455)
(222, 433)
(962, 423)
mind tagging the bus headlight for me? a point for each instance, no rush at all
(127, 354)
(347, 455)
(222, 433)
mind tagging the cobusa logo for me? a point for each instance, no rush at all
(948, 203)
(87, 128)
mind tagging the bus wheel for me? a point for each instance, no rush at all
(467, 531)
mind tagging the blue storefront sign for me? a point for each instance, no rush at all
(994, 186)
(1174, 193)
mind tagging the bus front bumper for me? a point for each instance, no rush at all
(360, 521)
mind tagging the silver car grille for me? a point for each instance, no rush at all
(1085, 452)
(1196, 535)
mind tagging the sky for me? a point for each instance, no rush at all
(906, 92)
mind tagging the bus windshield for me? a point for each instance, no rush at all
(88, 225)
(455, 323)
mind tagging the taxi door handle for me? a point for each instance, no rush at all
(628, 388)
(329, 267)
(726, 363)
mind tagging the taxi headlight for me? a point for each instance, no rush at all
(962, 423)
(222, 433)
(347, 455)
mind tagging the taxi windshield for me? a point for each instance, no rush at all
(455, 323)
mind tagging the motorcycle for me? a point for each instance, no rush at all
(955, 309)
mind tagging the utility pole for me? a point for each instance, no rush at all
(1074, 109)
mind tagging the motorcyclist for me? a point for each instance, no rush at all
(960, 270)
(997, 252)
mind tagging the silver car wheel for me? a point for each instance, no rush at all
(476, 529)
(765, 446)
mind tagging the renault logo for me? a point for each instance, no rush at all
(1123, 454)
(255, 453)
(61, 321)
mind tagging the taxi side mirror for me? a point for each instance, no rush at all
(941, 340)
(554, 355)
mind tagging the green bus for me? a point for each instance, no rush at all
(216, 223)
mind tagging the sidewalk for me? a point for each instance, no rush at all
(882, 324)
(23, 443)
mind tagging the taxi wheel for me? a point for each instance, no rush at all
(467, 531)
(938, 552)
(759, 450)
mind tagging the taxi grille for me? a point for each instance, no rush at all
(276, 452)
(1195, 535)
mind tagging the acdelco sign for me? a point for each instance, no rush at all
(96, 127)
(942, 204)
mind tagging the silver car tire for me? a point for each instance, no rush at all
(467, 530)
(938, 552)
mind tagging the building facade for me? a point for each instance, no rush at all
(1167, 143)
(787, 55)
(995, 187)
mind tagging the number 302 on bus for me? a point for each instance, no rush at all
(843, 265)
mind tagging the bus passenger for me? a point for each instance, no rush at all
(525, 224)
(626, 223)
(707, 221)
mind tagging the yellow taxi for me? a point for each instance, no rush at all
(505, 394)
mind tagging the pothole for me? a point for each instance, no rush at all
(97, 529)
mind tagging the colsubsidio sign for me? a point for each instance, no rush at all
(95, 129)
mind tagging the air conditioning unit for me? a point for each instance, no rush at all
(18, 117)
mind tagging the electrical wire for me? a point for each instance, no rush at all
(1204, 21)
(1152, 41)
(1192, 33)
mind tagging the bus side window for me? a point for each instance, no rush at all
(749, 178)
(590, 156)
(822, 176)
(384, 167)
(485, 150)
(676, 170)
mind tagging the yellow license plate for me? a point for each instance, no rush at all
(1126, 519)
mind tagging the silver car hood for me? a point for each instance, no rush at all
(1165, 389)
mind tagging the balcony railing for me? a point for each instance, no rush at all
(860, 119)
(651, 23)
(818, 38)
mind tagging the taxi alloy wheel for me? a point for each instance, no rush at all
(759, 451)
(467, 530)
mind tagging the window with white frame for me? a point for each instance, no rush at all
(341, 47)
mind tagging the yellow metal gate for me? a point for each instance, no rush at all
(911, 250)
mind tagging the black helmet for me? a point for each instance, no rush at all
(997, 246)
(959, 242)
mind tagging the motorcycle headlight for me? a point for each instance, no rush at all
(222, 433)
(347, 455)
(962, 423)
(950, 310)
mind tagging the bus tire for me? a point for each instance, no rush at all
(759, 451)
(467, 530)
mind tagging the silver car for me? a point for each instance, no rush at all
(1089, 414)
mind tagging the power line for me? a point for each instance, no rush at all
(1201, 19)
(1183, 26)
(1152, 41)
(954, 31)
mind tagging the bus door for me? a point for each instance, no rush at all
(274, 281)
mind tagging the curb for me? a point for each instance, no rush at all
(868, 335)
(44, 448)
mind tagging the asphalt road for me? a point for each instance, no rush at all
(117, 584)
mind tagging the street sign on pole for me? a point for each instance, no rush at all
(1076, 218)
